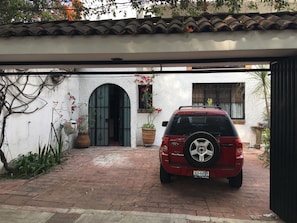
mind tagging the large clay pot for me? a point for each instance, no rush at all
(148, 136)
(83, 140)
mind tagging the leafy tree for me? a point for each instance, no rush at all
(49, 10)
(196, 7)
(179, 7)
(40, 10)
(15, 10)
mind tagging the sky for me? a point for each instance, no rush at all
(124, 10)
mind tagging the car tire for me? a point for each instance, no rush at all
(201, 149)
(164, 176)
(236, 182)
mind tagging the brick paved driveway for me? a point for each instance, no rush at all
(118, 178)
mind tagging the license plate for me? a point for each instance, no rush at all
(201, 174)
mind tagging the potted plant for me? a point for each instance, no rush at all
(81, 123)
(70, 127)
(146, 97)
(83, 138)
(148, 129)
(71, 124)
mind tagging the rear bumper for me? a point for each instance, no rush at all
(214, 172)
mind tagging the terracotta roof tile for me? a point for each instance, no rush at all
(233, 23)
(160, 27)
(247, 22)
(219, 24)
(203, 23)
(176, 26)
(132, 27)
(191, 23)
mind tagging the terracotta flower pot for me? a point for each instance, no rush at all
(83, 140)
(148, 136)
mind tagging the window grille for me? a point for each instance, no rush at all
(229, 96)
(145, 98)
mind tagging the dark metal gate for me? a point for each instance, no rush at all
(125, 120)
(283, 169)
(109, 107)
(99, 104)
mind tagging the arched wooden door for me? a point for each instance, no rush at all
(109, 109)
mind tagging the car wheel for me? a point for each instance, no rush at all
(236, 181)
(164, 176)
(201, 149)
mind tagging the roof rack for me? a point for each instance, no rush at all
(199, 106)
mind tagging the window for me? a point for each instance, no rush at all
(229, 96)
(187, 124)
(145, 97)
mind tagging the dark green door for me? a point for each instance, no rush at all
(109, 108)
(124, 120)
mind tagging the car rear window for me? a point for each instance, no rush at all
(218, 125)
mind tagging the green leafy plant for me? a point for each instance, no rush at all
(266, 141)
(33, 164)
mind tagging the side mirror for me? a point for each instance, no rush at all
(165, 123)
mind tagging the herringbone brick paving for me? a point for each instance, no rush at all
(125, 179)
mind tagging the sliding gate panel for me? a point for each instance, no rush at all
(283, 142)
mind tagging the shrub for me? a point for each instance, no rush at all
(33, 164)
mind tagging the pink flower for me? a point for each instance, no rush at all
(158, 109)
(80, 119)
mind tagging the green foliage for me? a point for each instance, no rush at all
(39, 10)
(148, 126)
(265, 156)
(266, 139)
(197, 7)
(262, 89)
(277, 4)
(233, 5)
(14, 10)
(50, 10)
(33, 164)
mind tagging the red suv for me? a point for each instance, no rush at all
(201, 142)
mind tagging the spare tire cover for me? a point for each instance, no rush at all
(201, 149)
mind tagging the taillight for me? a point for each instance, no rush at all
(164, 146)
(239, 147)
(164, 149)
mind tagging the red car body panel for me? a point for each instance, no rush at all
(229, 163)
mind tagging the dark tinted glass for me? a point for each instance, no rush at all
(218, 125)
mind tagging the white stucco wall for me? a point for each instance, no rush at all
(88, 83)
(25, 132)
(174, 90)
